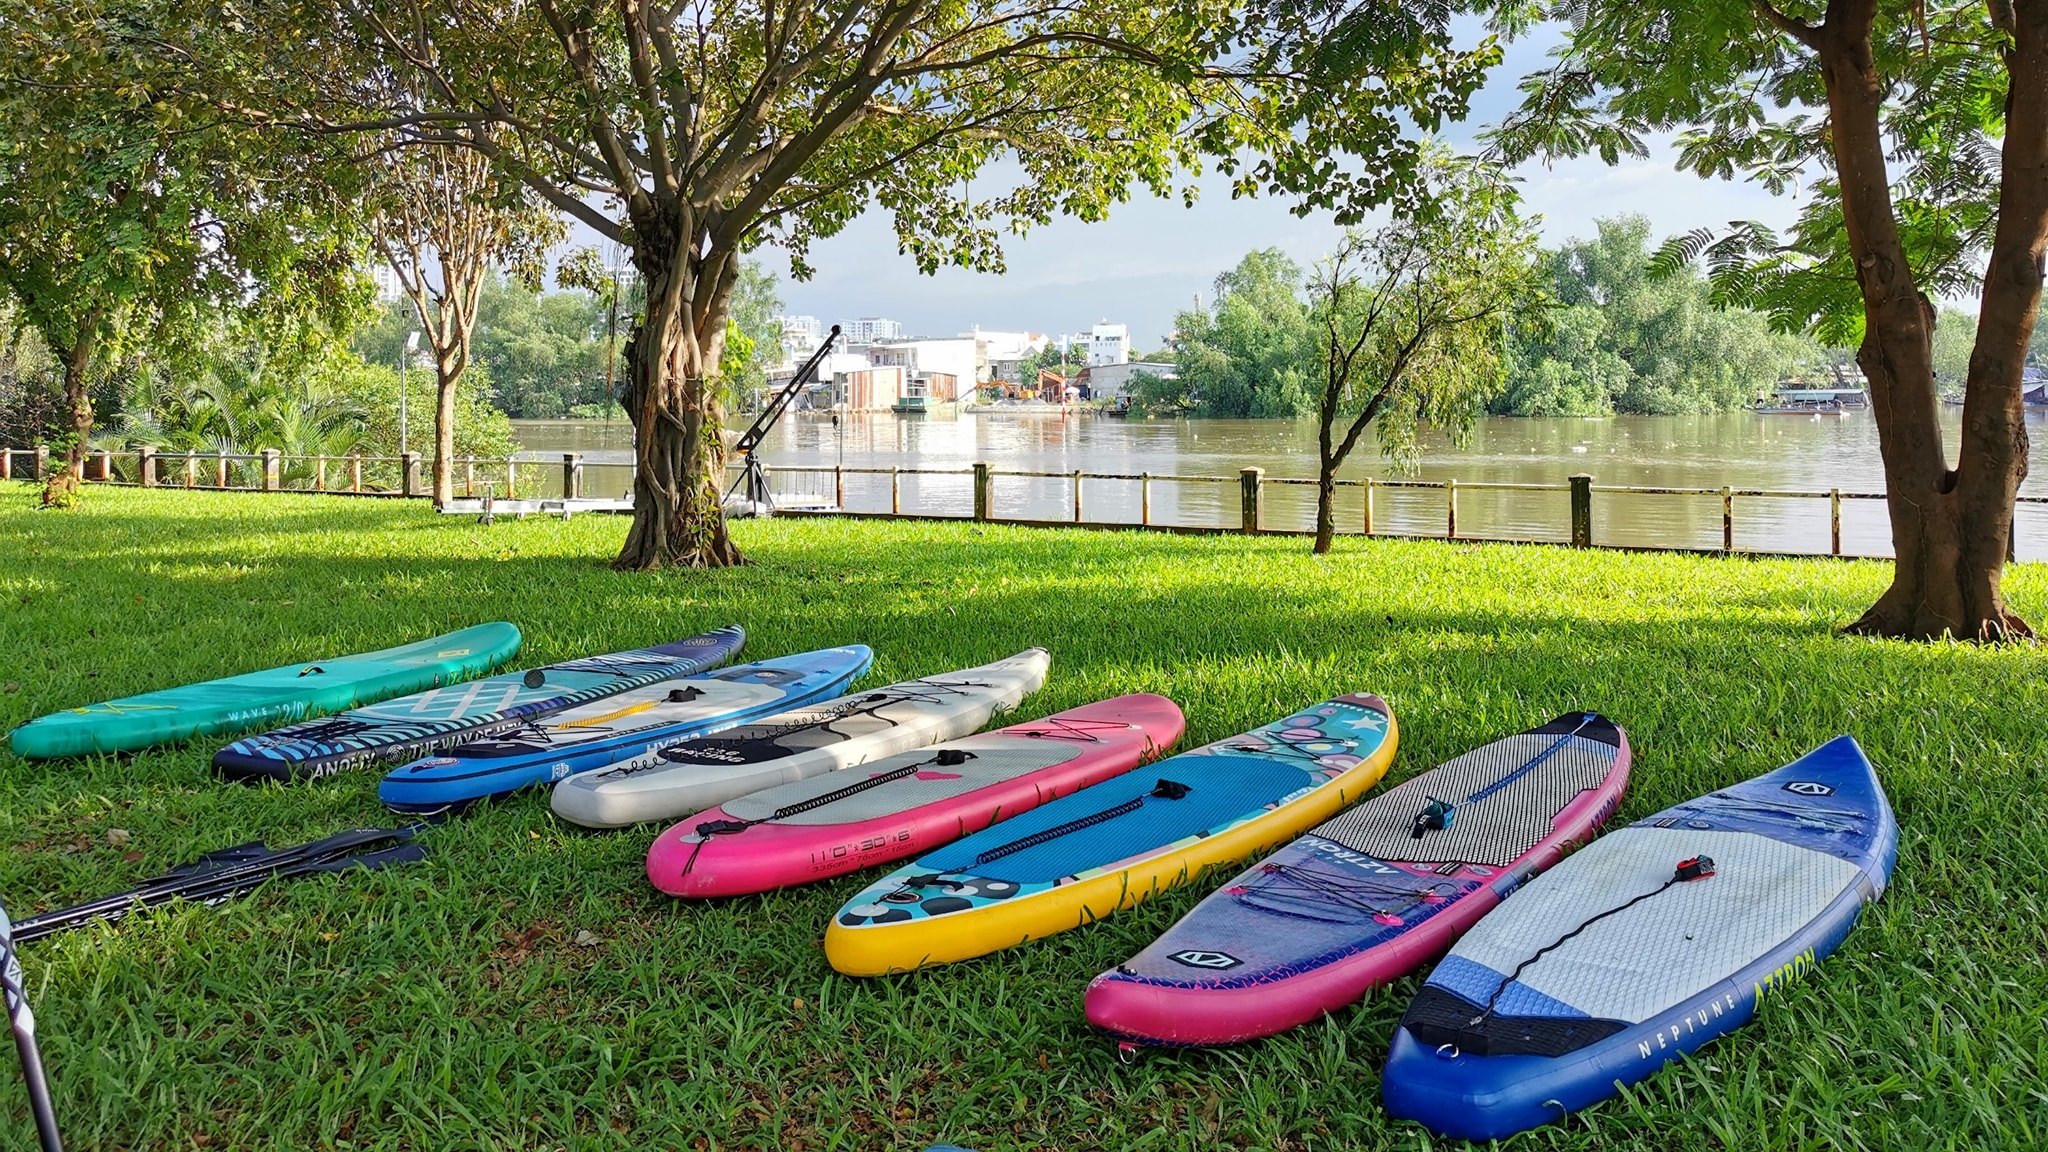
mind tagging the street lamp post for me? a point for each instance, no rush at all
(412, 345)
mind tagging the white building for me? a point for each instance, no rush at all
(386, 280)
(1113, 381)
(1105, 343)
(959, 357)
(1002, 355)
(870, 329)
(801, 336)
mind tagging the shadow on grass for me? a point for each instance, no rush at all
(448, 1004)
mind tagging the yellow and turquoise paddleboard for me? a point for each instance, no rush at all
(1107, 847)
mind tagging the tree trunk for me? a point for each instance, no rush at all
(1949, 528)
(448, 373)
(61, 490)
(671, 396)
(1326, 506)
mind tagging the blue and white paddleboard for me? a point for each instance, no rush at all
(399, 730)
(1642, 947)
(628, 728)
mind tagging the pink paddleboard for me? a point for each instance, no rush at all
(1374, 893)
(905, 805)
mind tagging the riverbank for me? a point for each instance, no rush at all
(449, 1004)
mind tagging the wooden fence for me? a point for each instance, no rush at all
(272, 471)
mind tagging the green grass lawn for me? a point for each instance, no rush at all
(447, 1005)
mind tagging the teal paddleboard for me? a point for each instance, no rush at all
(274, 696)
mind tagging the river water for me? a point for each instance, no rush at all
(1736, 449)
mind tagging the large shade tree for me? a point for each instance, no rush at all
(1918, 132)
(692, 132)
(130, 214)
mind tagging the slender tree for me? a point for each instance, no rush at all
(691, 132)
(1929, 124)
(444, 218)
(1414, 316)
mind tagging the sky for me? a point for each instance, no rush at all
(1150, 258)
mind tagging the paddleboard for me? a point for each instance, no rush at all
(1084, 856)
(708, 770)
(274, 695)
(410, 726)
(1371, 894)
(1643, 946)
(625, 728)
(901, 805)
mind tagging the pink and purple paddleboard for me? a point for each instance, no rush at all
(1370, 895)
(905, 805)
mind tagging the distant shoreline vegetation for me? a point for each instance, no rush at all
(1618, 341)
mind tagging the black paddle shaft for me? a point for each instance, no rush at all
(23, 1022)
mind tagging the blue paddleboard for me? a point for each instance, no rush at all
(1642, 947)
(627, 728)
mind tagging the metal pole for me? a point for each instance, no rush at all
(1368, 505)
(895, 491)
(1727, 518)
(23, 1021)
(1451, 510)
(1145, 498)
(1835, 521)
(1077, 495)
(984, 502)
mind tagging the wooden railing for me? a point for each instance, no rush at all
(269, 470)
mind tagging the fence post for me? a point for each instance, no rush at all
(469, 475)
(1077, 495)
(1145, 499)
(839, 487)
(1834, 521)
(1368, 505)
(409, 473)
(1251, 500)
(220, 469)
(1582, 510)
(984, 503)
(1450, 510)
(271, 473)
(42, 463)
(319, 473)
(145, 465)
(511, 479)
(895, 491)
(6, 463)
(191, 468)
(1727, 518)
(106, 465)
(572, 475)
(355, 472)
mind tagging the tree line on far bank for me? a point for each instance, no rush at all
(1613, 337)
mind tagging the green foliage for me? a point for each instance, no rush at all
(451, 1004)
(1628, 337)
(1252, 352)
(1955, 334)
(1747, 100)
(1413, 315)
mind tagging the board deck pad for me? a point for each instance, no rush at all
(426, 722)
(1370, 894)
(1110, 846)
(898, 806)
(708, 770)
(627, 727)
(1618, 961)
(272, 696)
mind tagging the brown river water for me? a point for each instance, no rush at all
(1742, 450)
